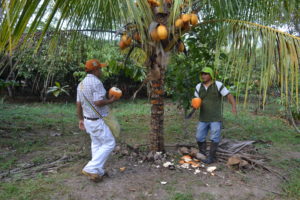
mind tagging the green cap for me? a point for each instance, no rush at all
(207, 70)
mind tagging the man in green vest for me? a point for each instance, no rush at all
(211, 92)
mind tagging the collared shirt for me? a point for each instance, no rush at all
(223, 91)
(93, 90)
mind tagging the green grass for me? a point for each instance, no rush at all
(21, 125)
(292, 186)
(38, 160)
(181, 196)
(131, 108)
(21, 144)
(36, 116)
(37, 188)
(247, 126)
(7, 163)
(190, 196)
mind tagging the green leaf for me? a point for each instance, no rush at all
(57, 84)
(56, 93)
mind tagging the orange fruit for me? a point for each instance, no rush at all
(194, 19)
(186, 18)
(126, 39)
(154, 35)
(179, 23)
(122, 45)
(186, 157)
(196, 103)
(162, 32)
(116, 92)
(181, 162)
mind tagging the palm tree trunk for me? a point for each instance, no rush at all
(157, 117)
(157, 109)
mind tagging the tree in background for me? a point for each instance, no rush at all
(61, 59)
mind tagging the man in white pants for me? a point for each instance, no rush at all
(91, 93)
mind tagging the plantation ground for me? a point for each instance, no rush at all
(34, 135)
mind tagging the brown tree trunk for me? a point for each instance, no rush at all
(157, 117)
(157, 109)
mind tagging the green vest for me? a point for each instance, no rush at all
(211, 107)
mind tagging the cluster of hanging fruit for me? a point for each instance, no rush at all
(186, 21)
(126, 40)
(161, 32)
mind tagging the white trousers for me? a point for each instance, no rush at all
(102, 144)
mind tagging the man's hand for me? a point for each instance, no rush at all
(105, 101)
(113, 99)
(81, 125)
(232, 102)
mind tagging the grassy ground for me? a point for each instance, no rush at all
(25, 129)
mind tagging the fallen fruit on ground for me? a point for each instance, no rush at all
(186, 158)
(122, 169)
(234, 160)
(211, 169)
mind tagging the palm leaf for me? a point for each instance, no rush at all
(278, 52)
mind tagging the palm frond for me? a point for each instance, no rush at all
(254, 48)
(263, 12)
(26, 15)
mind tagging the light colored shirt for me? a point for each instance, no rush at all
(92, 88)
(224, 91)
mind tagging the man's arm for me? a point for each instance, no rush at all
(79, 111)
(105, 101)
(80, 116)
(232, 102)
(197, 90)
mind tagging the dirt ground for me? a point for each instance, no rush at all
(142, 180)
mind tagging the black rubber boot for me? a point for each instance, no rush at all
(212, 153)
(202, 147)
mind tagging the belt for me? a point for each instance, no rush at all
(88, 118)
